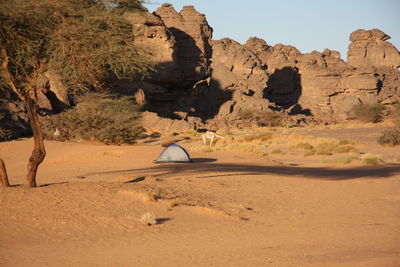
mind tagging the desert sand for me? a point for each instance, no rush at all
(224, 209)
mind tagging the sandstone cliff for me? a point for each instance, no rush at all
(205, 83)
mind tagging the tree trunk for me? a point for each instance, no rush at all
(39, 151)
(3, 174)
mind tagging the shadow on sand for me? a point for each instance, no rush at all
(202, 169)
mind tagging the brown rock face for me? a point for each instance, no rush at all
(193, 40)
(370, 48)
(153, 36)
(237, 68)
(326, 85)
(152, 123)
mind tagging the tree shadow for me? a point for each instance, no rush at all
(203, 170)
(195, 63)
(203, 160)
(284, 87)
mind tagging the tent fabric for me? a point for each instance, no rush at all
(173, 153)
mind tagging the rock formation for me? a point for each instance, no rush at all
(371, 49)
(256, 76)
(204, 83)
(154, 38)
(193, 40)
(325, 85)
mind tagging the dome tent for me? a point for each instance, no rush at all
(173, 153)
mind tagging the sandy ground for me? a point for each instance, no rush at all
(225, 209)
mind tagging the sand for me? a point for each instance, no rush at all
(225, 209)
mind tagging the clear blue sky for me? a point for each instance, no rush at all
(308, 25)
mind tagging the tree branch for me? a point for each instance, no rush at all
(8, 75)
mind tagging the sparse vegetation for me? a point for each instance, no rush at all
(305, 146)
(344, 160)
(368, 112)
(82, 41)
(263, 118)
(112, 120)
(390, 137)
(277, 151)
(373, 160)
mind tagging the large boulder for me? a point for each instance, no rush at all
(236, 67)
(153, 123)
(371, 48)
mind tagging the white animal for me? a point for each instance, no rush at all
(211, 136)
(56, 133)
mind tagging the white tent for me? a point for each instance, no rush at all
(173, 153)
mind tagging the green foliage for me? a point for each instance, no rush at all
(390, 137)
(82, 41)
(97, 117)
(368, 112)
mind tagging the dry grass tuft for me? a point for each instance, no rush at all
(277, 151)
(372, 160)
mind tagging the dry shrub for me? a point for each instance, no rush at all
(254, 137)
(262, 118)
(344, 160)
(372, 160)
(105, 118)
(305, 146)
(345, 149)
(390, 137)
(309, 153)
(277, 151)
(346, 142)
(368, 112)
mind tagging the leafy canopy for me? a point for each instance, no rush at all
(83, 41)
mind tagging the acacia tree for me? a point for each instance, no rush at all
(82, 41)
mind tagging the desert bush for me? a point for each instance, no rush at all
(105, 118)
(254, 137)
(390, 137)
(309, 153)
(325, 148)
(262, 118)
(372, 160)
(305, 146)
(277, 151)
(343, 160)
(346, 142)
(345, 149)
(368, 112)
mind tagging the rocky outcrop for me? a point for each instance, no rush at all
(237, 69)
(371, 49)
(153, 123)
(154, 38)
(193, 40)
(323, 84)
